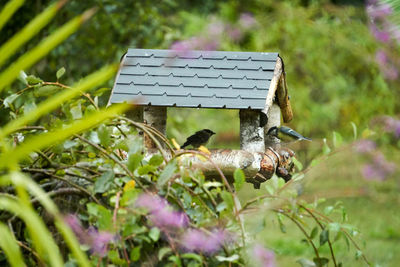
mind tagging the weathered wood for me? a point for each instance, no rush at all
(155, 117)
(274, 119)
(135, 113)
(251, 134)
(258, 167)
(273, 86)
(283, 99)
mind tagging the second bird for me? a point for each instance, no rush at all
(200, 138)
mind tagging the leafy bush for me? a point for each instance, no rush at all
(77, 186)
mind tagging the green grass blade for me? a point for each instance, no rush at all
(34, 26)
(42, 49)
(41, 237)
(10, 247)
(9, 10)
(44, 140)
(54, 102)
(19, 179)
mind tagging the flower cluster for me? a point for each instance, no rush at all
(175, 224)
(96, 240)
(215, 32)
(161, 213)
(264, 257)
(378, 168)
(385, 32)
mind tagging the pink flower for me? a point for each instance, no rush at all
(265, 257)
(96, 240)
(247, 20)
(378, 10)
(379, 169)
(161, 213)
(195, 240)
(364, 146)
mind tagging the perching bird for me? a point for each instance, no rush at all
(200, 138)
(284, 133)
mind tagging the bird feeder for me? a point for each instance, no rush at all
(252, 82)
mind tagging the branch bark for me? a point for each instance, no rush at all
(258, 167)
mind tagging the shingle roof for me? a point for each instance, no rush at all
(210, 79)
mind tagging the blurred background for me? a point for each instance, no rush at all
(342, 61)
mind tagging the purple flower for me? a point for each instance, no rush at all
(379, 169)
(265, 257)
(96, 240)
(392, 125)
(234, 34)
(161, 213)
(247, 20)
(378, 10)
(364, 146)
(195, 240)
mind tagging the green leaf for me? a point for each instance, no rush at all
(134, 255)
(76, 112)
(134, 161)
(192, 256)
(33, 80)
(354, 126)
(156, 160)
(42, 49)
(282, 227)
(325, 148)
(328, 210)
(240, 179)
(60, 73)
(9, 246)
(45, 90)
(320, 262)
(102, 215)
(297, 163)
(314, 232)
(306, 263)
(166, 174)
(104, 136)
(228, 199)
(8, 10)
(232, 258)
(358, 254)
(46, 139)
(54, 102)
(9, 100)
(19, 179)
(323, 237)
(29, 31)
(337, 139)
(164, 252)
(154, 234)
(104, 182)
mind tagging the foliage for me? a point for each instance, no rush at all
(125, 206)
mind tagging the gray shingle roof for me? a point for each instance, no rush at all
(210, 79)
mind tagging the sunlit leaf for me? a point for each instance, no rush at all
(60, 73)
(239, 178)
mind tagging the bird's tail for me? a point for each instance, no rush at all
(306, 138)
(185, 145)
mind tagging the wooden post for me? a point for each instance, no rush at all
(274, 119)
(251, 134)
(155, 117)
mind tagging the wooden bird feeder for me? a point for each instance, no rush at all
(253, 82)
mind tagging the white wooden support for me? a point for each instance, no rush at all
(251, 134)
(274, 119)
(155, 117)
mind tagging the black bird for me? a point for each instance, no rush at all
(283, 132)
(200, 138)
